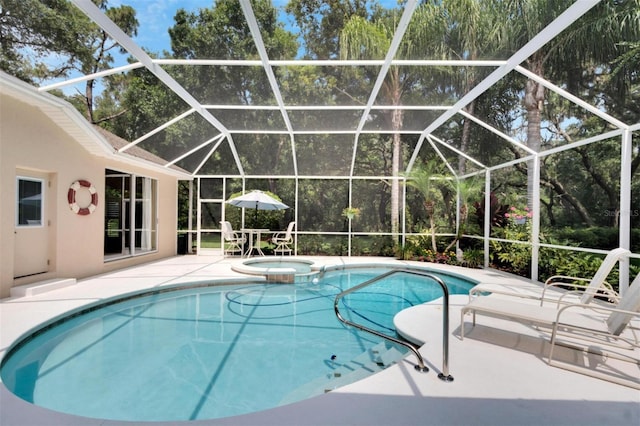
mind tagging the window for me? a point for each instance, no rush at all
(130, 215)
(29, 205)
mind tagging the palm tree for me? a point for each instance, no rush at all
(467, 189)
(595, 40)
(476, 29)
(362, 39)
(427, 179)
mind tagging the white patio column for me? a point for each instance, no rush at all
(535, 220)
(295, 215)
(487, 216)
(190, 216)
(625, 206)
(349, 219)
(404, 213)
(199, 217)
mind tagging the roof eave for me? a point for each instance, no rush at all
(77, 126)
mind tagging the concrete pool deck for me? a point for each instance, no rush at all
(500, 372)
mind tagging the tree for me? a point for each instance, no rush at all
(476, 29)
(32, 30)
(427, 179)
(361, 39)
(467, 190)
(33, 33)
(219, 32)
(100, 45)
(321, 22)
(593, 41)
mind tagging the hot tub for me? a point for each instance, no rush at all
(279, 269)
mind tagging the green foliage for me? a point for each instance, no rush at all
(31, 30)
(322, 245)
(604, 238)
(572, 264)
(419, 248)
(497, 211)
(320, 23)
(473, 258)
(373, 245)
(428, 180)
(577, 264)
(513, 257)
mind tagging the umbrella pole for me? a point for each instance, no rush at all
(255, 217)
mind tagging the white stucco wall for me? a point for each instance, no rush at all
(29, 140)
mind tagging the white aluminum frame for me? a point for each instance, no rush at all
(502, 68)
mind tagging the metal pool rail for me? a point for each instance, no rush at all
(444, 375)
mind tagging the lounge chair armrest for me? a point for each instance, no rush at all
(612, 295)
(563, 281)
(593, 307)
(564, 278)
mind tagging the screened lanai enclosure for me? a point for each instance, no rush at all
(502, 133)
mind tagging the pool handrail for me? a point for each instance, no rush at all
(444, 374)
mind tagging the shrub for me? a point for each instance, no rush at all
(605, 238)
(513, 257)
(473, 258)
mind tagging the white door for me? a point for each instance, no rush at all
(31, 227)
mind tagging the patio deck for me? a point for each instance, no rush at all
(500, 370)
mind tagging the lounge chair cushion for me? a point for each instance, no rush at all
(525, 312)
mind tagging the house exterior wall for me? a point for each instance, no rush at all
(30, 142)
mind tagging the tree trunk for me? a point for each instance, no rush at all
(429, 208)
(397, 119)
(89, 100)
(573, 201)
(464, 140)
(533, 102)
(395, 183)
(601, 181)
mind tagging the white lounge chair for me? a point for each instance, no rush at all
(232, 241)
(602, 323)
(283, 240)
(553, 289)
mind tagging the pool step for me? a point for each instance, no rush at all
(373, 360)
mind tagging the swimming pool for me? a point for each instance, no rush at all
(211, 352)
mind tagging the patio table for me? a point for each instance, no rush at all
(254, 234)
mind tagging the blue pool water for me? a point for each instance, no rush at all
(210, 352)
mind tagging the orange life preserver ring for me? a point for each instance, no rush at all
(71, 197)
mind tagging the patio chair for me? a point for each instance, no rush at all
(611, 325)
(554, 287)
(233, 242)
(283, 240)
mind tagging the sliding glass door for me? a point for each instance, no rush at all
(129, 197)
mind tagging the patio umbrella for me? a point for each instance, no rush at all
(257, 200)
